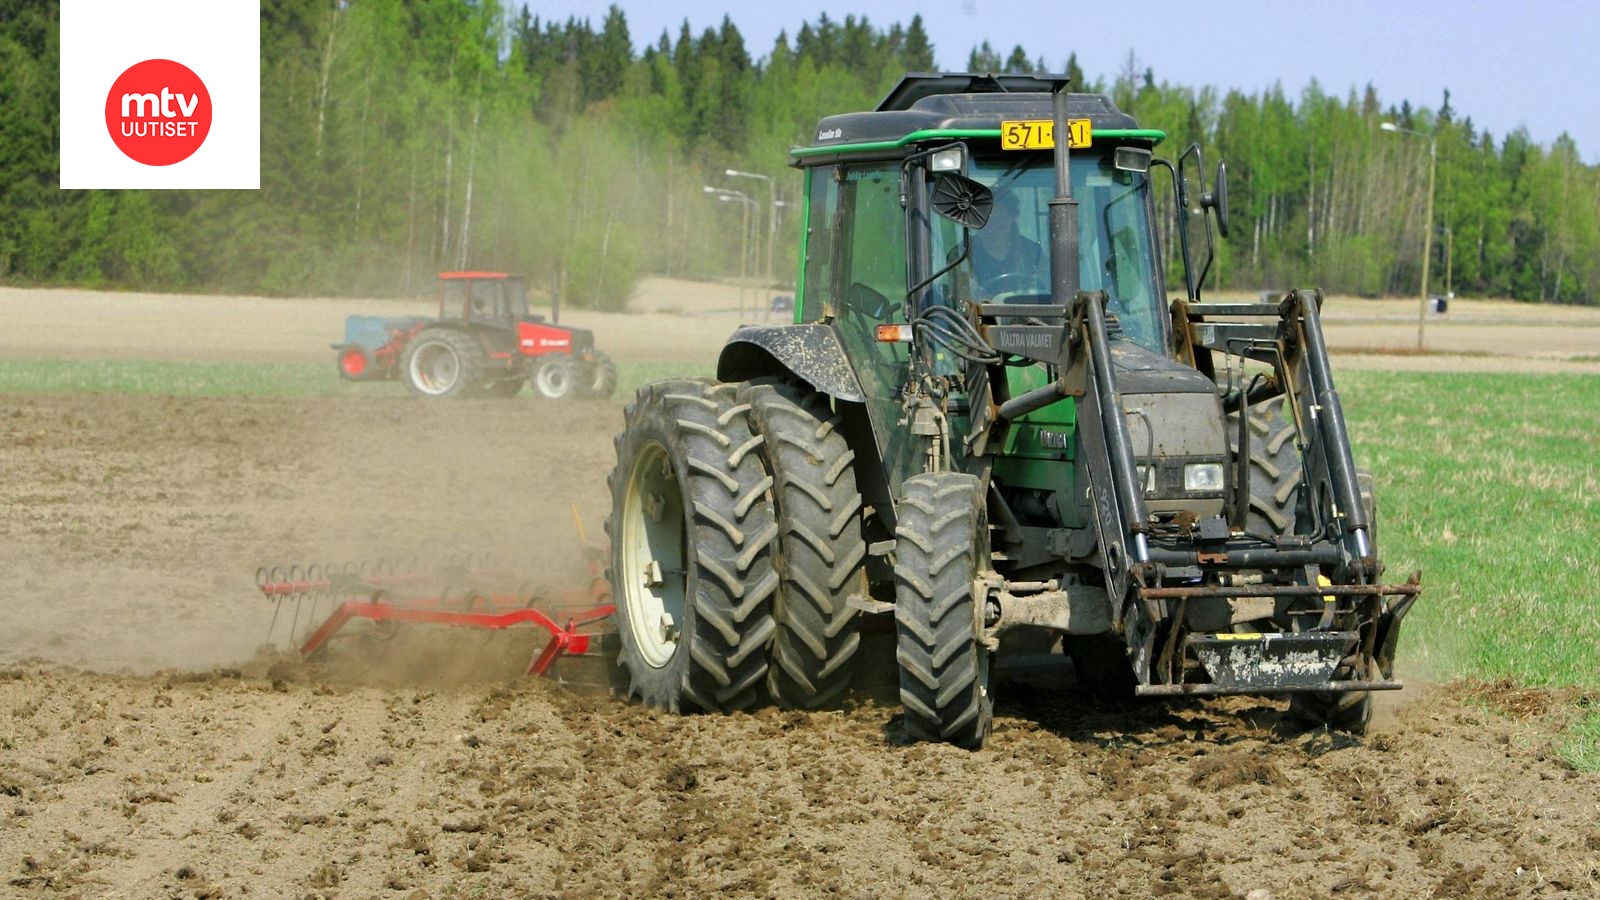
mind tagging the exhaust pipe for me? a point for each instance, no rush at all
(1063, 209)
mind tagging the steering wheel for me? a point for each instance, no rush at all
(1012, 287)
(1009, 284)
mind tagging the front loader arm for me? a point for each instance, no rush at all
(1294, 346)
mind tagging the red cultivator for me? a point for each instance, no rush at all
(388, 594)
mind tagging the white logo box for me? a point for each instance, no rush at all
(219, 39)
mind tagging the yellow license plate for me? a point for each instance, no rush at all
(1040, 134)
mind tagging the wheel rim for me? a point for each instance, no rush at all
(651, 579)
(353, 362)
(554, 380)
(435, 368)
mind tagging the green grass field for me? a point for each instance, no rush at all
(231, 379)
(1489, 484)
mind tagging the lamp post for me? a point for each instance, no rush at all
(1427, 234)
(725, 195)
(772, 217)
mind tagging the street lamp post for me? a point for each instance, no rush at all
(1427, 234)
(725, 195)
(772, 212)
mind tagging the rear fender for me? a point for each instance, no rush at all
(811, 353)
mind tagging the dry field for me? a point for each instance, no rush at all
(150, 745)
(687, 321)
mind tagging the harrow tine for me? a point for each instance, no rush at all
(277, 606)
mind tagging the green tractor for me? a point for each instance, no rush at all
(988, 422)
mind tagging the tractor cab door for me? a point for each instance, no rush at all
(514, 301)
(855, 279)
(479, 301)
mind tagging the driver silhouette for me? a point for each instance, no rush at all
(1000, 249)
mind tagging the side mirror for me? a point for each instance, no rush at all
(1193, 225)
(962, 200)
(1217, 198)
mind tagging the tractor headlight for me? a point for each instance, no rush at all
(946, 160)
(1202, 478)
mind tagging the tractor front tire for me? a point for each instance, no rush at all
(1275, 468)
(941, 545)
(1276, 473)
(693, 536)
(600, 378)
(821, 551)
(1100, 664)
(554, 378)
(1348, 711)
(442, 363)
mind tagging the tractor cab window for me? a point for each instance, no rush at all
(515, 294)
(855, 265)
(1010, 257)
(486, 298)
(453, 294)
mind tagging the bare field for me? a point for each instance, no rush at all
(151, 746)
(683, 321)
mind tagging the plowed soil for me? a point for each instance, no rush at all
(152, 744)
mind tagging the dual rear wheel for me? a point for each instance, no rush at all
(737, 548)
(736, 544)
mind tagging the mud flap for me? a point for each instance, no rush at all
(1257, 662)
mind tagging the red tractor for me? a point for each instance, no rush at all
(485, 343)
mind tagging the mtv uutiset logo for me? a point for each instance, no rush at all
(158, 127)
(160, 94)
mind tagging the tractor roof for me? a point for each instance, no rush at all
(951, 106)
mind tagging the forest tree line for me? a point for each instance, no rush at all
(405, 137)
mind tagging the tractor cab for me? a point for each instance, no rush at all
(491, 298)
(1007, 260)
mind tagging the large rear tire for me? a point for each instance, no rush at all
(693, 536)
(821, 551)
(941, 544)
(442, 363)
(1276, 473)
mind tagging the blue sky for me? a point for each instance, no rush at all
(1534, 64)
